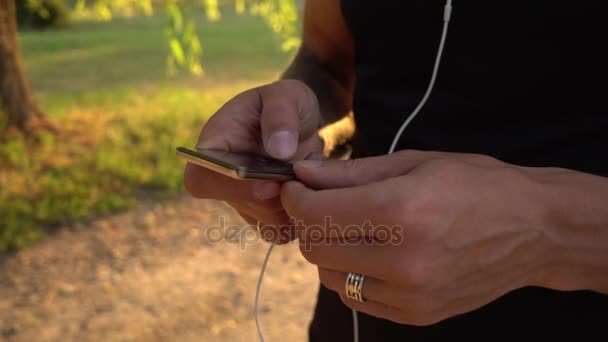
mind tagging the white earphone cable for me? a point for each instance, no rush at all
(446, 20)
(447, 14)
(256, 309)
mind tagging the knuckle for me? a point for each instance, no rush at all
(483, 160)
(237, 106)
(208, 126)
(511, 174)
(298, 87)
(244, 102)
(417, 312)
(408, 154)
(449, 170)
(240, 103)
(243, 97)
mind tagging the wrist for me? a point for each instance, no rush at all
(574, 224)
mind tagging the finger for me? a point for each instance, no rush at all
(315, 156)
(361, 206)
(235, 126)
(270, 212)
(346, 173)
(365, 257)
(373, 289)
(204, 183)
(272, 227)
(311, 146)
(247, 218)
(374, 309)
(290, 112)
(270, 206)
(279, 235)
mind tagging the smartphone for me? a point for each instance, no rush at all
(239, 165)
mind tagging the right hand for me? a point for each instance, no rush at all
(281, 120)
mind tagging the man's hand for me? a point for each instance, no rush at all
(436, 234)
(281, 120)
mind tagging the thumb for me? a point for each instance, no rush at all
(290, 113)
(331, 174)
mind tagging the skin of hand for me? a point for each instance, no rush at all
(280, 120)
(440, 234)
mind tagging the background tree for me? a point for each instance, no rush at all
(16, 99)
(18, 109)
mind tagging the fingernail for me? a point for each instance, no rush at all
(282, 144)
(266, 190)
(310, 163)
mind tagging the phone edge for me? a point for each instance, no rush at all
(227, 171)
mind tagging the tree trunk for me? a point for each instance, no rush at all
(16, 99)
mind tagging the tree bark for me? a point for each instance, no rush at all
(16, 98)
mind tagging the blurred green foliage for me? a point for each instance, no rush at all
(42, 14)
(107, 9)
(184, 43)
(186, 48)
(89, 176)
(282, 17)
(121, 116)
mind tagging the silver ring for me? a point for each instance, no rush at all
(354, 286)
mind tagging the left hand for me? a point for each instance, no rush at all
(465, 229)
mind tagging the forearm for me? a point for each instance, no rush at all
(577, 229)
(332, 89)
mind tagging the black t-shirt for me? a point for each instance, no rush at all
(521, 80)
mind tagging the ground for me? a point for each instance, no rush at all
(146, 274)
(154, 274)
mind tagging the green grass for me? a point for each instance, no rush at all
(121, 116)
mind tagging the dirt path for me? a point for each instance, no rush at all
(150, 275)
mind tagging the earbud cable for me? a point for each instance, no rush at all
(446, 20)
(447, 13)
(257, 292)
